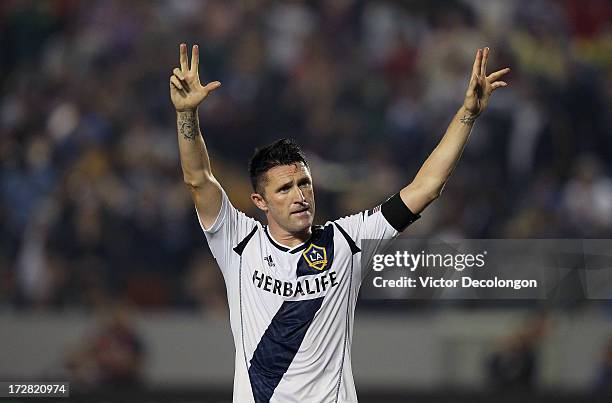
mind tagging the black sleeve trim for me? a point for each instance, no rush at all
(349, 240)
(242, 244)
(397, 213)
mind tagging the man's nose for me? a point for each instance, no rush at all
(300, 195)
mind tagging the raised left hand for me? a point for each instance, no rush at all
(482, 86)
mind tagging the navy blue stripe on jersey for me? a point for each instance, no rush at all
(318, 255)
(279, 345)
(242, 244)
(349, 240)
(397, 213)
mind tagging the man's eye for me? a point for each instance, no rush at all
(305, 184)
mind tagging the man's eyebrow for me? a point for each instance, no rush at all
(284, 185)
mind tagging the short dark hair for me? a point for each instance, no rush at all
(281, 152)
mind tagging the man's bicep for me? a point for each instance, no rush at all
(397, 213)
(379, 227)
(381, 222)
(416, 197)
(207, 199)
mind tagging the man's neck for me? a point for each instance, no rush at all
(286, 238)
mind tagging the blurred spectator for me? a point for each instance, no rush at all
(514, 366)
(588, 198)
(111, 356)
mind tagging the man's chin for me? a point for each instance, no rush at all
(302, 225)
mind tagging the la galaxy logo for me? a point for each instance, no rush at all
(315, 256)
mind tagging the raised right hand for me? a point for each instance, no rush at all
(186, 91)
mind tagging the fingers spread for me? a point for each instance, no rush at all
(195, 58)
(183, 57)
(177, 72)
(498, 84)
(176, 82)
(477, 62)
(498, 74)
(212, 86)
(483, 65)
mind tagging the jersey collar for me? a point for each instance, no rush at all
(285, 248)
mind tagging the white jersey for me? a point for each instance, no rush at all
(292, 309)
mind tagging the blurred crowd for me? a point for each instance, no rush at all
(92, 202)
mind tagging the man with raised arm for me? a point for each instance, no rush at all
(291, 286)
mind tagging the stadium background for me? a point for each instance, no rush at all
(105, 276)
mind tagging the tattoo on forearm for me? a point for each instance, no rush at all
(188, 125)
(468, 120)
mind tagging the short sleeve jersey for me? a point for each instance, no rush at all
(292, 308)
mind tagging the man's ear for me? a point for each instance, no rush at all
(259, 202)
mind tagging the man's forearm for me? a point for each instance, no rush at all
(440, 164)
(194, 156)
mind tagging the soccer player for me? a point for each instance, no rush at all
(292, 287)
